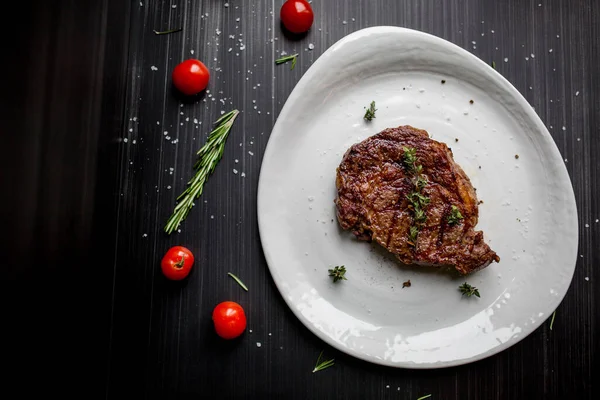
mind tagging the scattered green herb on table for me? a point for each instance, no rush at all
(455, 216)
(208, 157)
(370, 113)
(321, 365)
(468, 290)
(285, 59)
(494, 64)
(424, 397)
(338, 273)
(238, 280)
(167, 32)
(552, 321)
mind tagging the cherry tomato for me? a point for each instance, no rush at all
(190, 77)
(177, 263)
(229, 319)
(297, 16)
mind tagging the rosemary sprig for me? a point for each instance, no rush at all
(321, 365)
(455, 216)
(208, 157)
(468, 290)
(238, 280)
(284, 59)
(338, 273)
(424, 397)
(167, 32)
(552, 321)
(370, 113)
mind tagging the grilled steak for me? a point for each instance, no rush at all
(404, 190)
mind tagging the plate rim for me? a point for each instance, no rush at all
(522, 103)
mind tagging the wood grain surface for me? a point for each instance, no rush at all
(99, 145)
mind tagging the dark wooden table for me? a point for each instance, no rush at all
(99, 145)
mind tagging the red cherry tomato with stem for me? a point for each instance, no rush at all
(190, 77)
(297, 16)
(229, 319)
(177, 263)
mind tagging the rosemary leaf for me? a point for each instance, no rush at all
(238, 280)
(167, 32)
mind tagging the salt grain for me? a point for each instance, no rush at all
(145, 235)
(311, 46)
(153, 68)
(506, 59)
(125, 140)
(564, 128)
(258, 344)
(577, 93)
(251, 153)
(235, 171)
(226, 5)
(587, 278)
(243, 175)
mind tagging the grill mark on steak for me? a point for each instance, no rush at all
(372, 185)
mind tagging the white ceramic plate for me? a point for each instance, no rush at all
(529, 215)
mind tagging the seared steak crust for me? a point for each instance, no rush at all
(373, 183)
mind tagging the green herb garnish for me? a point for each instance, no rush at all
(552, 321)
(413, 232)
(167, 32)
(285, 59)
(321, 365)
(417, 199)
(494, 64)
(370, 113)
(421, 182)
(424, 397)
(468, 290)
(410, 158)
(455, 216)
(208, 157)
(238, 280)
(338, 273)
